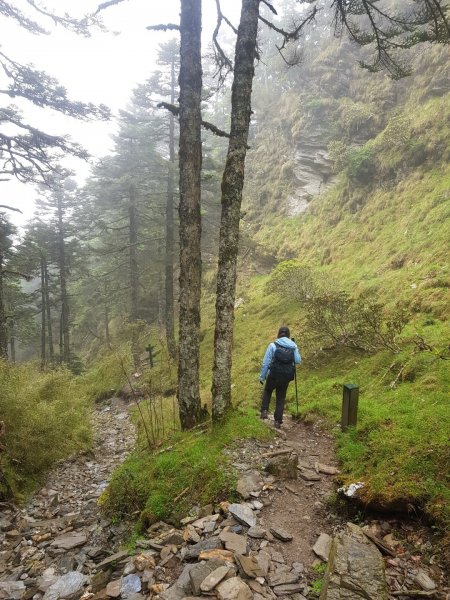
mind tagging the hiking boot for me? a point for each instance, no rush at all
(264, 414)
(277, 425)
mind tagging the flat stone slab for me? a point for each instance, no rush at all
(355, 568)
(323, 546)
(67, 586)
(199, 573)
(281, 534)
(12, 589)
(288, 589)
(234, 589)
(244, 514)
(69, 541)
(213, 579)
(114, 558)
(234, 541)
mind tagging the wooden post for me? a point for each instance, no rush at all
(349, 406)
(150, 355)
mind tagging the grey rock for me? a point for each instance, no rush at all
(284, 466)
(355, 568)
(309, 475)
(424, 581)
(243, 514)
(67, 586)
(199, 573)
(248, 483)
(322, 546)
(234, 542)
(193, 551)
(12, 589)
(256, 532)
(234, 589)
(100, 580)
(69, 541)
(281, 534)
(131, 584)
(213, 579)
(282, 579)
(288, 589)
(181, 587)
(249, 566)
(118, 557)
(264, 561)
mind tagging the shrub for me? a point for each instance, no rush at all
(45, 419)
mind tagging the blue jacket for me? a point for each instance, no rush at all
(268, 356)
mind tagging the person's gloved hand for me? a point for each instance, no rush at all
(261, 381)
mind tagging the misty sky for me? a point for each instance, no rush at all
(101, 69)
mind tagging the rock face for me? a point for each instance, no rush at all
(355, 568)
(313, 171)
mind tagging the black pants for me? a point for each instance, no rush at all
(280, 392)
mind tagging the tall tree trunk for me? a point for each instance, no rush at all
(232, 184)
(3, 326)
(51, 351)
(170, 245)
(65, 350)
(134, 275)
(43, 315)
(190, 156)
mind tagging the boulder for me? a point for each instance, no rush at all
(284, 466)
(355, 568)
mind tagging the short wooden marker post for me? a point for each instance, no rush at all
(150, 355)
(349, 406)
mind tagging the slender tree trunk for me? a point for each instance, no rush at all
(190, 155)
(170, 244)
(134, 275)
(106, 314)
(232, 184)
(51, 351)
(43, 315)
(65, 350)
(3, 326)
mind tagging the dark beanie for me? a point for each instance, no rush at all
(284, 332)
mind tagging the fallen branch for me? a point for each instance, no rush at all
(385, 549)
(185, 491)
(276, 453)
(415, 593)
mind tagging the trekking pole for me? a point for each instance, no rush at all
(296, 390)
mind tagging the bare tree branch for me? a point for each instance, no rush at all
(164, 27)
(4, 206)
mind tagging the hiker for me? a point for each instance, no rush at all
(278, 369)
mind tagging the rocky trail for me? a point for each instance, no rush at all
(274, 543)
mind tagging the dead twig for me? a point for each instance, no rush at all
(276, 453)
(185, 491)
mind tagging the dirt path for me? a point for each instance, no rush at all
(300, 506)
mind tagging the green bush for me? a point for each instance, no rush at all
(45, 419)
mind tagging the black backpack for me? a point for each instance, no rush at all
(282, 367)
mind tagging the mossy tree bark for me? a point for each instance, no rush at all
(190, 155)
(232, 184)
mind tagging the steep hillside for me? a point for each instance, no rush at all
(349, 176)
